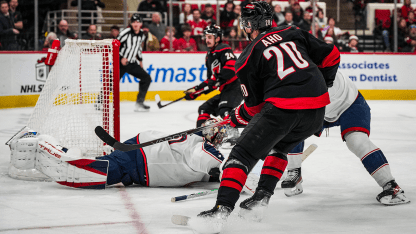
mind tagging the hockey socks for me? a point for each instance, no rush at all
(273, 168)
(201, 119)
(371, 157)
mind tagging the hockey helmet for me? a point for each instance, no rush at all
(257, 16)
(136, 17)
(213, 30)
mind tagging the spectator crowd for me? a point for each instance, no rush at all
(186, 35)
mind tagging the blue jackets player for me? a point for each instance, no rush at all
(349, 110)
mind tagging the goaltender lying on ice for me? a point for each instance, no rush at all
(173, 163)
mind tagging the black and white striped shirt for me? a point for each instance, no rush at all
(131, 45)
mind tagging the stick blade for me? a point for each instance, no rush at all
(308, 151)
(157, 98)
(104, 136)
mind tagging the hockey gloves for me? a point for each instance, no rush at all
(238, 117)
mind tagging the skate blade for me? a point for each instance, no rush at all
(398, 200)
(289, 192)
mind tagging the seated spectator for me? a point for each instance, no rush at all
(278, 16)
(237, 21)
(234, 40)
(329, 40)
(151, 43)
(310, 9)
(186, 14)
(331, 24)
(197, 24)
(318, 33)
(330, 33)
(186, 43)
(290, 6)
(288, 19)
(88, 18)
(92, 33)
(411, 39)
(209, 14)
(165, 41)
(49, 40)
(114, 32)
(406, 8)
(320, 18)
(7, 32)
(149, 5)
(402, 32)
(297, 12)
(16, 15)
(227, 15)
(63, 32)
(352, 45)
(306, 22)
(156, 27)
(410, 18)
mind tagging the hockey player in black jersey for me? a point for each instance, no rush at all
(220, 61)
(284, 74)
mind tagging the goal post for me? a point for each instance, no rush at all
(80, 93)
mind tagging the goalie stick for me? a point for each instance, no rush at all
(109, 140)
(306, 153)
(159, 104)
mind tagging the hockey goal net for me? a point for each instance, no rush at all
(81, 92)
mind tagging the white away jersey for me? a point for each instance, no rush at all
(180, 161)
(342, 94)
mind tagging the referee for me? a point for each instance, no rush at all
(131, 40)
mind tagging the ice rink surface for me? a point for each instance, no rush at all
(339, 195)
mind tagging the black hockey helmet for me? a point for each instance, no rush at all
(213, 30)
(136, 17)
(257, 16)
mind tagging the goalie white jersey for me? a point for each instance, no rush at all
(342, 94)
(179, 161)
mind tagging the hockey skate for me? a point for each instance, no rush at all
(253, 208)
(212, 221)
(392, 195)
(141, 107)
(292, 184)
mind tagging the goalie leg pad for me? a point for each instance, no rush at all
(77, 173)
(23, 153)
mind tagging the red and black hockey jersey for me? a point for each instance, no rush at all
(220, 61)
(287, 67)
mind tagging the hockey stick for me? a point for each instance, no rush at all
(306, 153)
(104, 136)
(193, 195)
(159, 104)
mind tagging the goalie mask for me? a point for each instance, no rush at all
(257, 16)
(216, 134)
